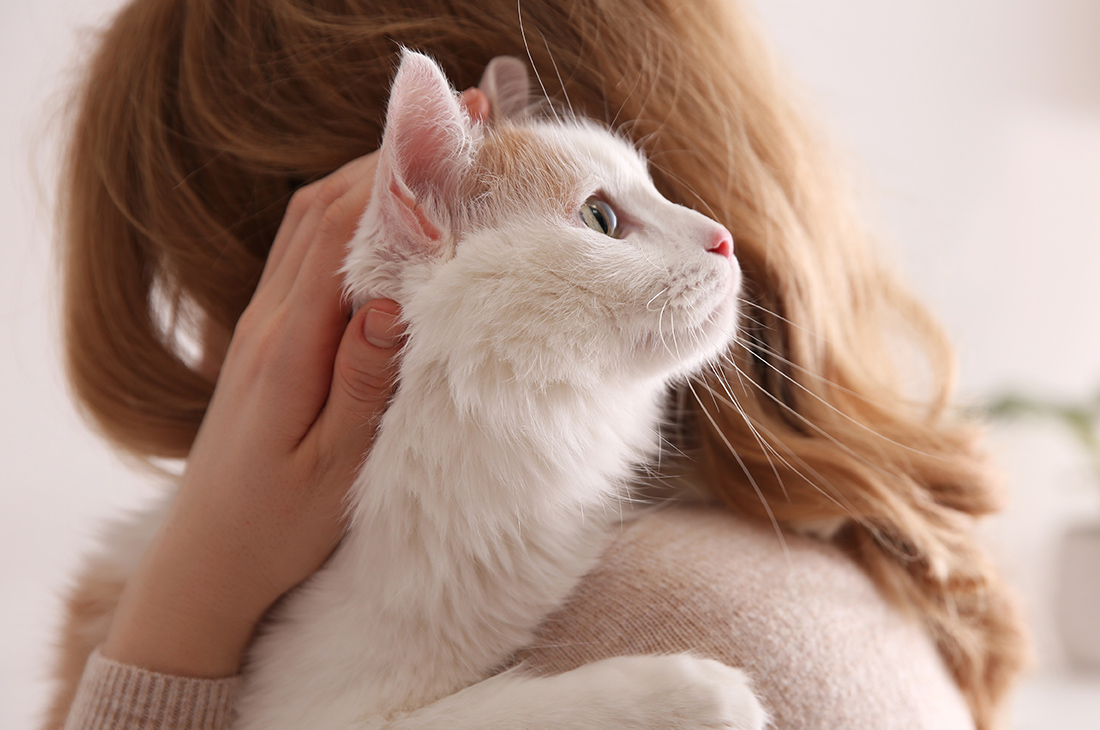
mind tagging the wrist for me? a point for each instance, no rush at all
(178, 616)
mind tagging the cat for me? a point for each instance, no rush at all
(551, 296)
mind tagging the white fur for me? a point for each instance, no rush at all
(538, 355)
(537, 361)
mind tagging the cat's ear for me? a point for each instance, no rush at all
(505, 83)
(427, 145)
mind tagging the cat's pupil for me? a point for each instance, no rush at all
(599, 216)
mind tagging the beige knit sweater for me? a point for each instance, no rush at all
(824, 649)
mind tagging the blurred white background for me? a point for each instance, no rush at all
(974, 127)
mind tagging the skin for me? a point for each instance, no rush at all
(299, 394)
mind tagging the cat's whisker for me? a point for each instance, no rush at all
(660, 322)
(538, 76)
(656, 266)
(847, 449)
(671, 445)
(763, 345)
(656, 75)
(826, 403)
(772, 352)
(672, 328)
(663, 290)
(745, 469)
(780, 317)
(643, 141)
(679, 180)
(660, 449)
(660, 332)
(764, 445)
(615, 119)
(758, 323)
(833, 494)
(557, 73)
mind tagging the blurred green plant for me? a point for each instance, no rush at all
(1081, 419)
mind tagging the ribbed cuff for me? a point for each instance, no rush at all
(113, 696)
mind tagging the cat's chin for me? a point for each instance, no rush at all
(686, 349)
(716, 333)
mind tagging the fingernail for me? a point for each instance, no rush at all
(382, 329)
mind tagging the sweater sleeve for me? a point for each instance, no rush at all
(114, 696)
(823, 648)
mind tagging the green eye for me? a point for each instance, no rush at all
(599, 216)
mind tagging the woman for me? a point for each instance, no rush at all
(197, 122)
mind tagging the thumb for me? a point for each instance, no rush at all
(363, 378)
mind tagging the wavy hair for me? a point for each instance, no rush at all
(197, 119)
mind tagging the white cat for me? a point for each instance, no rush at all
(551, 295)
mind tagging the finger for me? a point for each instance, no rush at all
(303, 330)
(306, 208)
(304, 198)
(301, 204)
(295, 211)
(476, 103)
(362, 382)
(317, 294)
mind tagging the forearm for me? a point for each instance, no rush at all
(177, 617)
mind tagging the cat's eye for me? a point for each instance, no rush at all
(600, 217)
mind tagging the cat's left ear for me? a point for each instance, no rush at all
(506, 84)
(427, 147)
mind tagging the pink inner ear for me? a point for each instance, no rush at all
(420, 218)
(427, 133)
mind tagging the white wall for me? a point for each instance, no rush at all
(976, 124)
(58, 480)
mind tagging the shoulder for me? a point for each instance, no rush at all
(824, 648)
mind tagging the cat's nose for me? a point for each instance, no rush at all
(721, 243)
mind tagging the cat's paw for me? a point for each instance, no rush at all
(684, 691)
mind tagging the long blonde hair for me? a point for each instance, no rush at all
(198, 118)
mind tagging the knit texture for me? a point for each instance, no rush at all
(115, 696)
(824, 649)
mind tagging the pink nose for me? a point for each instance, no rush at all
(721, 243)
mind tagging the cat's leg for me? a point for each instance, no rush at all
(635, 692)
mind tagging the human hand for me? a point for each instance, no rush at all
(261, 502)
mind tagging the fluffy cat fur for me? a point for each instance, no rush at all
(538, 357)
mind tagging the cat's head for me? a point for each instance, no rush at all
(536, 247)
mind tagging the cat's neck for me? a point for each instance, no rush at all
(501, 456)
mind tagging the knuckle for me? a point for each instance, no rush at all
(302, 198)
(369, 384)
(258, 340)
(271, 337)
(250, 321)
(329, 190)
(337, 216)
(318, 194)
